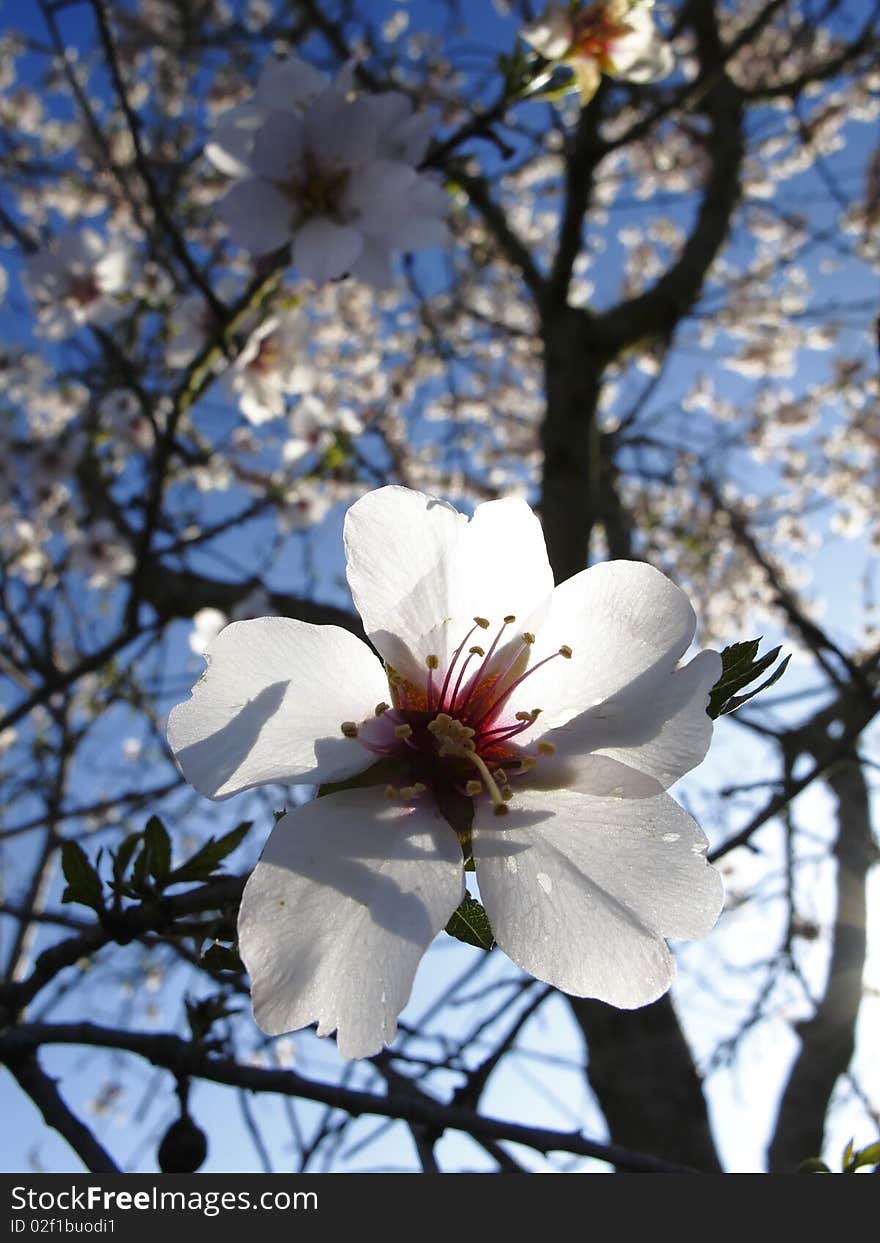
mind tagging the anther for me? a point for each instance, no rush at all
(476, 651)
(349, 729)
(565, 651)
(528, 638)
(402, 731)
(473, 788)
(509, 619)
(391, 792)
(482, 623)
(380, 708)
(432, 662)
(547, 748)
(500, 809)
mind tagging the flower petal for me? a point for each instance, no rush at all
(400, 547)
(626, 624)
(642, 55)
(270, 705)
(257, 216)
(279, 147)
(419, 572)
(348, 895)
(324, 251)
(635, 745)
(582, 891)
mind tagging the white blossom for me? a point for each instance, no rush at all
(615, 37)
(334, 175)
(77, 282)
(537, 727)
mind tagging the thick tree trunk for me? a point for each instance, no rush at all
(642, 1072)
(828, 1038)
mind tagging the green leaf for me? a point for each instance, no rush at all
(813, 1166)
(470, 923)
(208, 858)
(740, 669)
(157, 845)
(378, 774)
(83, 882)
(219, 957)
(122, 858)
(864, 1156)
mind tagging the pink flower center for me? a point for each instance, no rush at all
(455, 735)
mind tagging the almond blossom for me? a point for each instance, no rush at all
(77, 282)
(534, 728)
(332, 173)
(272, 365)
(616, 37)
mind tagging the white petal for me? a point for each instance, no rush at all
(581, 891)
(257, 216)
(270, 705)
(289, 83)
(551, 33)
(348, 895)
(400, 549)
(375, 198)
(636, 744)
(627, 626)
(341, 132)
(643, 55)
(232, 140)
(373, 266)
(279, 149)
(324, 251)
(419, 572)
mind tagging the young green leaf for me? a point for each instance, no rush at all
(157, 845)
(740, 669)
(208, 858)
(470, 923)
(83, 882)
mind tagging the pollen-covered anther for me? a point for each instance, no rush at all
(546, 748)
(565, 651)
(412, 791)
(381, 708)
(349, 729)
(509, 619)
(403, 731)
(482, 623)
(432, 662)
(476, 651)
(473, 788)
(392, 792)
(528, 638)
(500, 809)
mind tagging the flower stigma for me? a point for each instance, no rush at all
(456, 737)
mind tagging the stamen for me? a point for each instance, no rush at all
(499, 703)
(349, 729)
(380, 708)
(478, 676)
(478, 621)
(472, 651)
(433, 663)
